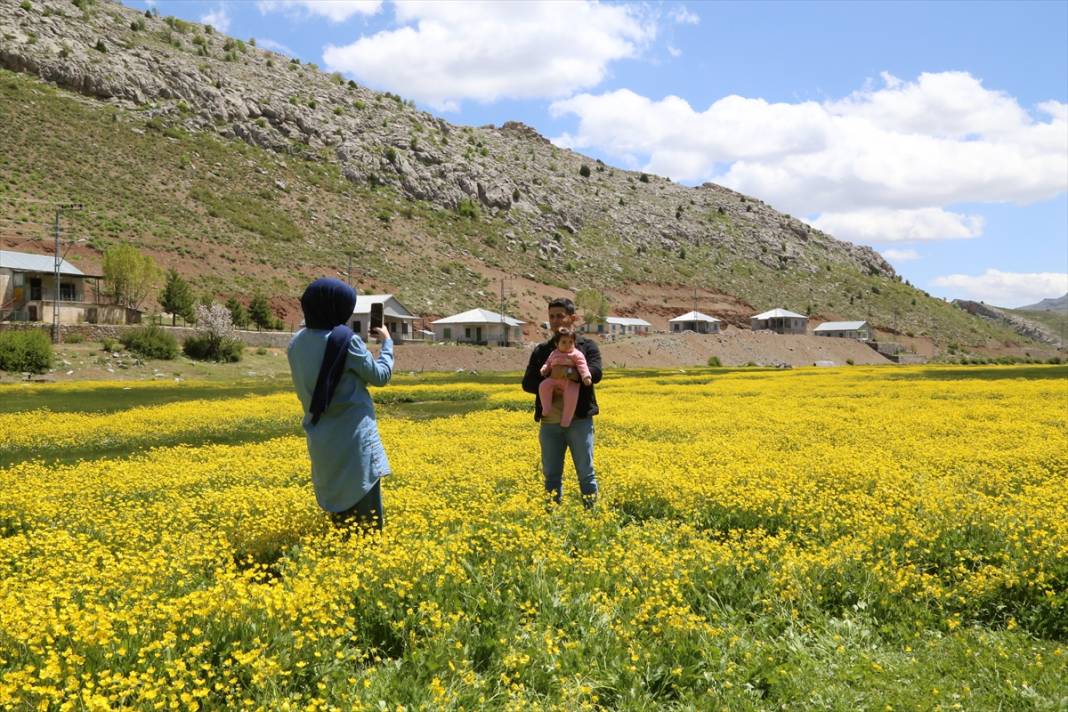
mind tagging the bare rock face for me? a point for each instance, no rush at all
(184, 74)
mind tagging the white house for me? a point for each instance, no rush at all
(781, 321)
(479, 326)
(28, 292)
(844, 330)
(695, 321)
(618, 326)
(397, 318)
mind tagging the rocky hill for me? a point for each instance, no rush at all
(249, 171)
(1044, 326)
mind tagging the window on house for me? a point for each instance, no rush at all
(66, 292)
(448, 333)
(356, 325)
(467, 332)
(35, 289)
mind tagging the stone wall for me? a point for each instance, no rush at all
(96, 332)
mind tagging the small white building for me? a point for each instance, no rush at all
(479, 326)
(782, 321)
(617, 326)
(695, 321)
(396, 317)
(844, 330)
(28, 292)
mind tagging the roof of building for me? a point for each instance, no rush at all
(841, 326)
(364, 302)
(626, 321)
(779, 314)
(695, 316)
(478, 316)
(26, 262)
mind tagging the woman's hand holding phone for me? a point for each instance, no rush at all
(381, 333)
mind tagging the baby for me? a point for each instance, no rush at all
(565, 354)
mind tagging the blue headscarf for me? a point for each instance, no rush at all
(328, 304)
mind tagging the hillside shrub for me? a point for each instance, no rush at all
(203, 348)
(109, 344)
(22, 351)
(74, 338)
(151, 342)
(714, 361)
(468, 209)
(584, 171)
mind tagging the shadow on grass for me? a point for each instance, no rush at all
(984, 373)
(16, 399)
(425, 410)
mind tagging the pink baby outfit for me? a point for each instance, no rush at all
(569, 388)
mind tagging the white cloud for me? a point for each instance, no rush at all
(267, 43)
(887, 225)
(683, 16)
(217, 18)
(333, 10)
(908, 148)
(446, 52)
(901, 255)
(1006, 289)
(674, 51)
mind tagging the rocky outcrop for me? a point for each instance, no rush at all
(182, 74)
(1025, 327)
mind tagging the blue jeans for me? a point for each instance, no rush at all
(555, 441)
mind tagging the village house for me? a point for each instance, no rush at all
(479, 326)
(617, 326)
(695, 321)
(396, 317)
(781, 321)
(844, 330)
(28, 292)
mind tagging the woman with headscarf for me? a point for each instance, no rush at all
(331, 370)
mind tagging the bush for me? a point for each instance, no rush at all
(109, 344)
(584, 171)
(261, 351)
(644, 178)
(74, 338)
(714, 361)
(100, 46)
(151, 342)
(25, 5)
(468, 209)
(22, 351)
(849, 361)
(204, 348)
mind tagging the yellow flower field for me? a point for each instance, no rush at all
(860, 538)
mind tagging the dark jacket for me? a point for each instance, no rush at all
(587, 400)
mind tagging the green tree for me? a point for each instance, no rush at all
(177, 297)
(259, 313)
(594, 306)
(129, 275)
(237, 312)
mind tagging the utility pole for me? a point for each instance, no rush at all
(70, 207)
(504, 334)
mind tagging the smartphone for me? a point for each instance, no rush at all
(376, 315)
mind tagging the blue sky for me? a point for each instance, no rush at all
(935, 132)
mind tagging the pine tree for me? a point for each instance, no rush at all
(259, 312)
(237, 312)
(177, 297)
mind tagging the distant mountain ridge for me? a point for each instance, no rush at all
(1056, 304)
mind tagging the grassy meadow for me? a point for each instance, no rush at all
(832, 539)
